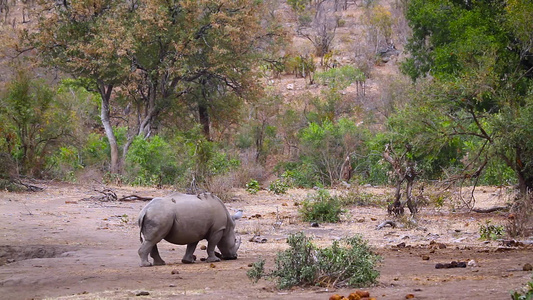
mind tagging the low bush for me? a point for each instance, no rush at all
(321, 207)
(489, 231)
(348, 262)
(525, 294)
(278, 186)
(252, 186)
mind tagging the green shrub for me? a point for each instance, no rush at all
(278, 186)
(252, 186)
(360, 198)
(526, 294)
(348, 262)
(490, 231)
(321, 207)
(150, 162)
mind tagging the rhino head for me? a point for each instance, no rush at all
(230, 243)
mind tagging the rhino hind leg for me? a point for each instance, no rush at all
(189, 258)
(144, 250)
(158, 261)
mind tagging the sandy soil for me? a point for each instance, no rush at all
(55, 245)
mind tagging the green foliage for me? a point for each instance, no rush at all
(490, 231)
(348, 262)
(278, 186)
(252, 186)
(526, 294)
(320, 206)
(257, 271)
(340, 78)
(150, 162)
(479, 94)
(324, 147)
(36, 120)
(361, 198)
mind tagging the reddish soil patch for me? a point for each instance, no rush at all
(55, 245)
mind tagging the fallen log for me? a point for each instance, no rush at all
(135, 198)
(388, 222)
(490, 209)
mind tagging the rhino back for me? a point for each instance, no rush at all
(193, 218)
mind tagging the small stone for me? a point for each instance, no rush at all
(409, 296)
(212, 265)
(314, 224)
(425, 257)
(171, 285)
(472, 263)
(401, 245)
(284, 204)
(142, 293)
(174, 272)
(203, 247)
(373, 219)
(527, 267)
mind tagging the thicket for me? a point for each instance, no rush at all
(348, 262)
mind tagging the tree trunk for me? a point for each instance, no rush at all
(105, 93)
(204, 119)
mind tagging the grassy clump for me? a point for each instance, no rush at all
(321, 207)
(348, 262)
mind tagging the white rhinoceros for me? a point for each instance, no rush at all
(185, 220)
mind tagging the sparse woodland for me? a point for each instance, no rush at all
(213, 95)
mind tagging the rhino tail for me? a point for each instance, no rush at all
(141, 223)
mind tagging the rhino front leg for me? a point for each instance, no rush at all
(158, 261)
(188, 258)
(211, 244)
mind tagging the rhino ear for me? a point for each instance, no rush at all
(237, 215)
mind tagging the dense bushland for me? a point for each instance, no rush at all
(186, 112)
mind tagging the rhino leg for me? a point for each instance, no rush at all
(158, 261)
(144, 250)
(188, 258)
(212, 242)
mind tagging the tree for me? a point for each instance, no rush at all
(151, 53)
(478, 55)
(34, 121)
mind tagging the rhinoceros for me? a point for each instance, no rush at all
(185, 220)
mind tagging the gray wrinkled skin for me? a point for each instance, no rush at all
(185, 220)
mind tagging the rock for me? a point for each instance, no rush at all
(142, 293)
(314, 224)
(212, 265)
(290, 86)
(401, 245)
(335, 297)
(527, 267)
(362, 294)
(203, 247)
(258, 239)
(174, 272)
(409, 296)
(472, 263)
(425, 257)
(284, 204)
(354, 296)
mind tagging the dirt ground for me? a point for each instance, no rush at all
(54, 245)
